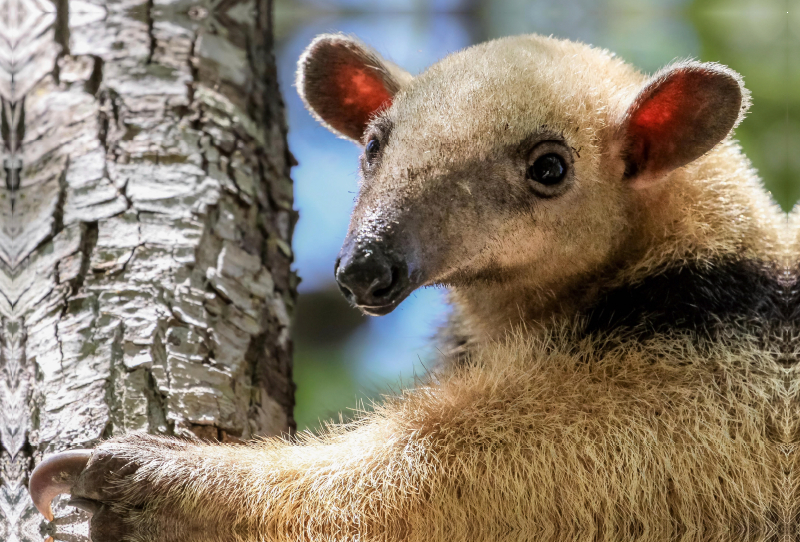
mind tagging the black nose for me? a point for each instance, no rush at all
(371, 280)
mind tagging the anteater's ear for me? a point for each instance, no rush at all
(344, 83)
(679, 115)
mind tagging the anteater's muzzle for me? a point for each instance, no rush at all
(371, 277)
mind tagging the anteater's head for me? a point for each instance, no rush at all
(522, 157)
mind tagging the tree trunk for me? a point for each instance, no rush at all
(145, 236)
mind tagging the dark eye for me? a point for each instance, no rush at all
(549, 169)
(372, 149)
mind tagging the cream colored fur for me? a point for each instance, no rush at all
(543, 432)
(538, 436)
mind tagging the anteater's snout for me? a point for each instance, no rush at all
(371, 279)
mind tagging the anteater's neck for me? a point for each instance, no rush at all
(698, 297)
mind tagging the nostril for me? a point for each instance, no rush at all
(346, 291)
(383, 292)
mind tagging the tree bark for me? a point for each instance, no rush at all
(145, 236)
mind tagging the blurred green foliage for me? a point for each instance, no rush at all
(327, 387)
(756, 39)
(324, 322)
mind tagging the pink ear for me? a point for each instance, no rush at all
(344, 83)
(681, 114)
(361, 93)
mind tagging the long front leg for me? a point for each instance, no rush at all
(546, 444)
(141, 487)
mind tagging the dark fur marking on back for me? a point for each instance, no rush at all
(698, 297)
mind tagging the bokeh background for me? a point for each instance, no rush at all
(343, 360)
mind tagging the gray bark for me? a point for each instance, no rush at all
(145, 235)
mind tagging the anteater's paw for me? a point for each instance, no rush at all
(116, 484)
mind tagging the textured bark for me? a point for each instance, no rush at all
(145, 236)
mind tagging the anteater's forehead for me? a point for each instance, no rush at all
(500, 92)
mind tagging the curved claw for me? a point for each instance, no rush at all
(54, 476)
